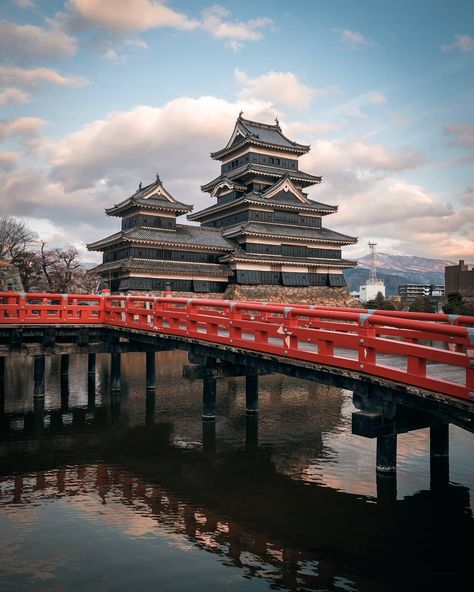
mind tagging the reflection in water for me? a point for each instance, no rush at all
(135, 491)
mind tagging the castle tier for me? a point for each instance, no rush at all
(262, 230)
(152, 250)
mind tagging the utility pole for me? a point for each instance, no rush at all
(373, 269)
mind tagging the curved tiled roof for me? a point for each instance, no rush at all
(185, 235)
(242, 255)
(264, 170)
(264, 134)
(287, 231)
(154, 265)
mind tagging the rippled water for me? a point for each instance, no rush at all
(109, 497)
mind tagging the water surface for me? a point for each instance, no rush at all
(108, 496)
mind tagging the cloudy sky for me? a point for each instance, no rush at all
(98, 95)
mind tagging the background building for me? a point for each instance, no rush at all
(410, 292)
(459, 278)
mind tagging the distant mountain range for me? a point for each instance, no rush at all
(396, 270)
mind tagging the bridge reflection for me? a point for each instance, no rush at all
(233, 503)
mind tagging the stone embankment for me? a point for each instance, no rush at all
(321, 295)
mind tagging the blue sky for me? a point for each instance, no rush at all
(96, 96)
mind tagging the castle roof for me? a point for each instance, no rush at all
(158, 266)
(259, 134)
(154, 197)
(275, 230)
(240, 255)
(184, 236)
(262, 170)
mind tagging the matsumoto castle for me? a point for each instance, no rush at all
(262, 230)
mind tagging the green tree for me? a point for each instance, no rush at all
(457, 305)
(421, 304)
(380, 303)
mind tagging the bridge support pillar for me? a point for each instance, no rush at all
(115, 370)
(439, 456)
(387, 454)
(209, 398)
(38, 413)
(251, 393)
(150, 370)
(150, 406)
(91, 367)
(251, 432)
(64, 366)
(208, 437)
(56, 419)
(64, 381)
(2, 386)
(39, 366)
(114, 407)
(386, 487)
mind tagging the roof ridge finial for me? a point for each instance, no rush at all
(158, 180)
(240, 114)
(277, 123)
(140, 186)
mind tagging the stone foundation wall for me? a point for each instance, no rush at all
(10, 277)
(322, 295)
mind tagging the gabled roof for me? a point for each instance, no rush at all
(262, 170)
(227, 183)
(281, 200)
(287, 231)
(286, 185)
(260, 134)
(153, 196)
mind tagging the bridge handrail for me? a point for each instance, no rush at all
(346, 338)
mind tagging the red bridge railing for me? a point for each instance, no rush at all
(430, 351)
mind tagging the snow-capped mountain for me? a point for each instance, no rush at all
(398, 269)
(403, 264)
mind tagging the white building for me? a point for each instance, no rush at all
(370, 290)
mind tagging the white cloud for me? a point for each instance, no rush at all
(29, 42)
(34, 77)
(377, 98)
(136, 42)
(214, 21)
(361, 159)
(461, 42)
(7, 160)
(14, 96)
(23, 126)
(125, 16)
(463, 133)
(354, 38)
(281, 88)
(131, 143)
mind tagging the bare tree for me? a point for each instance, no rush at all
(62, 271)
(15, 238)
(64, 267)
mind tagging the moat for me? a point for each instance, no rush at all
(124, 494)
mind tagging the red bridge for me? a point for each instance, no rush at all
(427, 351)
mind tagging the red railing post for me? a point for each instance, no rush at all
(367, 355)
(470, 367)
(235, 330)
